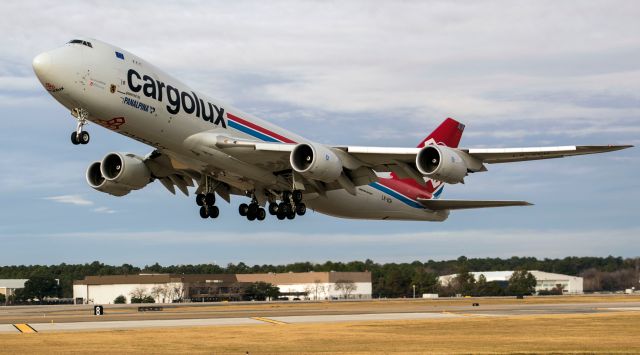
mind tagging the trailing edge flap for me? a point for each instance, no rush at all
(466, 204)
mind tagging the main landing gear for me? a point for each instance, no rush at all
(79, 136)
(252, 211)
(207, 205)
(207, 200)
(290, 206)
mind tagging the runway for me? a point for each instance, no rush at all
(80, 318)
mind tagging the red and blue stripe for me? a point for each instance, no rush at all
(254, 130)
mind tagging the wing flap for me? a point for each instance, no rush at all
(467, 204)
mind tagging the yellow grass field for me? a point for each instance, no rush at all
(615, 332)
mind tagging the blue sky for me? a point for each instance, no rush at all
(366, 73)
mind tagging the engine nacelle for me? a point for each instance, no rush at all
(316, 162)
(125, 169)
(441, 163)
(98, 182)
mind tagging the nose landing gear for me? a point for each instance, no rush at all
(80, 136)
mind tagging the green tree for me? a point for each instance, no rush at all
(464, 282)
(120, 300)
(40, 286)
(425, 280)
(261, 290)
(521, 282)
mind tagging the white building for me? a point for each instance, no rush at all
(167, 287)
(8, 287)
(545, 280)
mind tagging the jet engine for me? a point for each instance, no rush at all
(316, 162)
(98, 182)
(118, 173)
(441, 163)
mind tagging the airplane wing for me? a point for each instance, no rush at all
(361, 163)
(467, 204)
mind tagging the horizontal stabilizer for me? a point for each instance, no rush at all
(466, 204)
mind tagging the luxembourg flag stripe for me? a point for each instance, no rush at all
(255, 130)
(251, 132)
(397, 195)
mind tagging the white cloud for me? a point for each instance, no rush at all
(104, 209)
(77, 200)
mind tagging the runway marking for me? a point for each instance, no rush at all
(25, 328)
(269, 320)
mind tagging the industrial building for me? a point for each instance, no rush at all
(8, 287)
(165, 288)
(545, 281)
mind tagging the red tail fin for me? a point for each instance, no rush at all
(448, 133)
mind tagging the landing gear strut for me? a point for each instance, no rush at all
(80, 136)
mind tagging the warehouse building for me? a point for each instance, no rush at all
(166, 288)
(8, 287)
(545, 281)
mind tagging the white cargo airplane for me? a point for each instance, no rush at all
(230, 152)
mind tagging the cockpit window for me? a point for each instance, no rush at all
(79, 41)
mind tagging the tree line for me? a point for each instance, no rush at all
(389, 279)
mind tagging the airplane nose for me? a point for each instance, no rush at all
(41, 64)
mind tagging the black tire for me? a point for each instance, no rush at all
(301, 209)
(84, 137)
(291, 215)
(273, 208)
(285, 196)
(281, 215)
(200, 199)
(297, 196)
(262, 214)
(251, 216)
(74, 138)
(203, 212)
(243, 209)
(214, 211)
(210, 199)
(253, 209)
(284, 207)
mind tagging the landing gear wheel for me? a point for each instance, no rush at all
(203, 212)
(262, 214)
(214, 211)
(210, 199)
(243, 209)
(273, 208)
(281, 215)
(251, 216)
(84, 137)
(297, 196)
(291, 215)
(74, 138)
(285, 196)
(301, 209)
(284, 207)
(253, 209)
(200, 199)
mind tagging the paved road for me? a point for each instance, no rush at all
(75, 318)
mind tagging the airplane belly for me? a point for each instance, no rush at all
(370, 204)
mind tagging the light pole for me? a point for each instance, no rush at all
(414, 291)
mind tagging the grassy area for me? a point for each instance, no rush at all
(590, 333)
